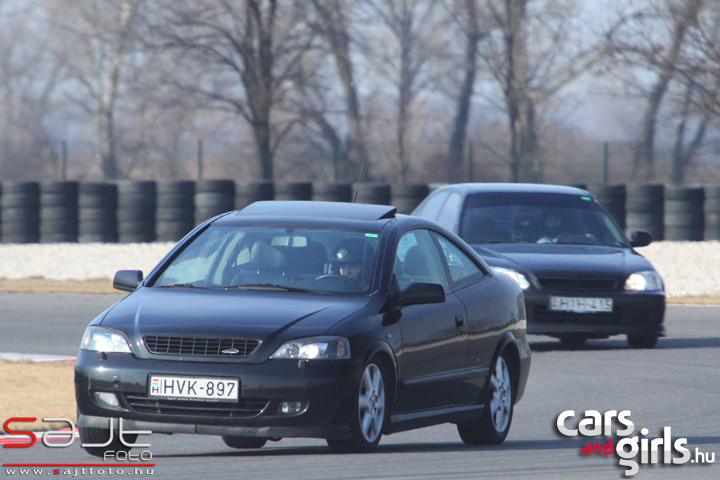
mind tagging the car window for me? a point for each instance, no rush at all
(459, 264)
(450, 213)
(417, 260)
(430, 208)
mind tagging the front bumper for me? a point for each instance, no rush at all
(635, 313)
(326, 385)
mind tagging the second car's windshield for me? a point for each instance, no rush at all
(537, 218)
(272, 257)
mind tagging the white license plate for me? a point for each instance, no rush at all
(581, 305)
(202, 388)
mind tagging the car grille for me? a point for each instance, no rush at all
(201, 346)
(578, 284)
(244, 408)
(543, 315)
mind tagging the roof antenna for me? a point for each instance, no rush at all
(357, 188)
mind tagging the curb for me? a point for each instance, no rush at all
(35, 358)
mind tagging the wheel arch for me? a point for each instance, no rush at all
(382, 350)
(508, 343)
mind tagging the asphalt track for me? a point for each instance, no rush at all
(675, 385)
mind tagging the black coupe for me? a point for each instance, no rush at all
(307, 319)
(581, 276)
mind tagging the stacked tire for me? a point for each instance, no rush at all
(645, 209)
(612, 198)
(712, 212)
(293, 191)
(374, 193)
(20, 217)
(97, 205)
(407, 197)
(684, 219)
(213, 197)
(332, 192)
(175, 215)
(250, 192)
(59, 212)
(136, 212)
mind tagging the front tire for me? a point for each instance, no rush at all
(367, 414)
(100, 436)
(493, 427)
(235, 441)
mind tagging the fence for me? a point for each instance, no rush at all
(146, 211)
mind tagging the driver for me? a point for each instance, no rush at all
(353, 258)
(553, 224)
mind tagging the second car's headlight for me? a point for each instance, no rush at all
(645, 281)
(515, 275)
(314, 348)
(99, 339)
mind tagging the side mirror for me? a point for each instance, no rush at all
(127, 280)
(640, 238)
(422, 293)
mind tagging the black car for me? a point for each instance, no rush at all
(581, 276)
(307, 319)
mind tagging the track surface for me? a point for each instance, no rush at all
(676, 384)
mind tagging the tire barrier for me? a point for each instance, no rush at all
(376, 193)
(332, 192)
(644, 206)
(136, 211)
(293, 191)
(58, 212)
(712, 213)
(249, 192)
(407, 197)
(146, 211)
(175, 210)
(20, 205)
(612, 198)
(684, 219)
(97, 219)
(213, 197)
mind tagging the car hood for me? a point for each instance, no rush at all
(219, 313)
(550, 260)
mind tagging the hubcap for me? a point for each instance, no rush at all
(371, 403)
(501, 401)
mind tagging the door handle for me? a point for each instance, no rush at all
(459, 320)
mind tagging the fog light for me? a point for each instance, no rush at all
(106, 399)
(292, 408)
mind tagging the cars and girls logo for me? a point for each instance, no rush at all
(631, 449)
(66, 437)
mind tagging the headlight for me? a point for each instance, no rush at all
(99, 339)
(315, 348)
(515, 275)
(646, 281)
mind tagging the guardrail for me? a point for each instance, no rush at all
(147, 211)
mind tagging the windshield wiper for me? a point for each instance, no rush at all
(269, 286)
(181, 285)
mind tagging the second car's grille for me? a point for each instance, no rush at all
(244, 408)
(578, 284)
(204, 346)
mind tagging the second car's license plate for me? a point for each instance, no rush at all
(201, 388)
(581, 305)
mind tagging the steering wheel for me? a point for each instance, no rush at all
(343, 284)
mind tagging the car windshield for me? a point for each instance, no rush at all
(280, 258)
(511, 217)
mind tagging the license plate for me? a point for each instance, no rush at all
(581, 305)
(200, 388)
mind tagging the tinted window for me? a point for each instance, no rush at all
(460, 265)
(537, 218)
(238, 256)
(431, 207)
(418, 260)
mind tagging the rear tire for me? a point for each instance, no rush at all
(642, 341)
(235, 441)
(493, 427)
(100, 436)
(368, 412)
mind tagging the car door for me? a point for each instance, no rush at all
(433, 337)
(479, 294)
